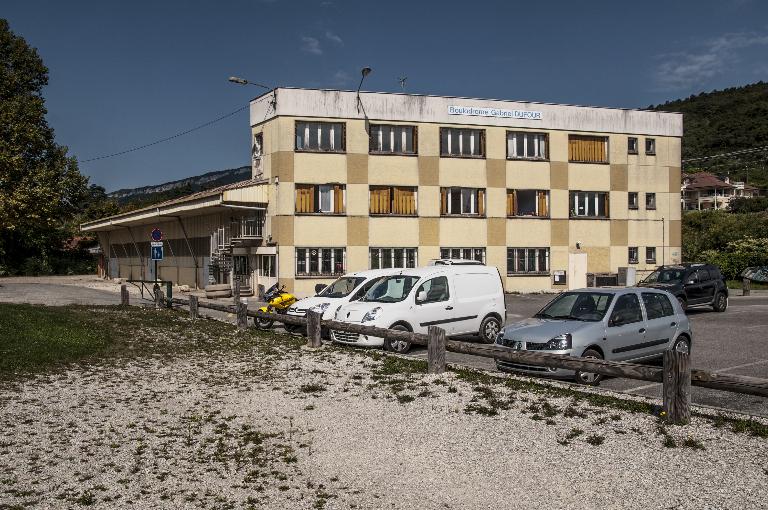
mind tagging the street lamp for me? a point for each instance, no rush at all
(365, 71)
(243, 81)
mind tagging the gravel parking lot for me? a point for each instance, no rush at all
(203, 416)
(732, 342)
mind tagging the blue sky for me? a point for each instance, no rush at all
(128, 73)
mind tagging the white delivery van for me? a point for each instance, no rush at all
(461, 299)
(347, 288)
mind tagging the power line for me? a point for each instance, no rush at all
(139, 147)
(727, 154)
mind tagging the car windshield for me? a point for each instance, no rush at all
(391, 289)
(665, 276)
(580, 306)
(342, 287)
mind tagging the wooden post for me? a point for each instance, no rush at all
(158, 296)
(746, 286)
(677, 387)
(436, 350)
(236, 291)
(124, 296)
(193, 307)
(169, 294)
(313, 328)
(242, 315)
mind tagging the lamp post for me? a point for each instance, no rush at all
(243, 81)
(365, 71)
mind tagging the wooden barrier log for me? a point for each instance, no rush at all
(727, 382)
(436, 350)
(677, 387)
(242, 315)
(414, 338)
(124, 295)
(313, 328)
(279, 317)
(193, 314)
(746, 286)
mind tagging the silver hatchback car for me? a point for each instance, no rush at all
(628, 324)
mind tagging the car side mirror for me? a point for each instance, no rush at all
(421, 296)
(319, 288)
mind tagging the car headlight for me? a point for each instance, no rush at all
(560, 343)
(322, 307)
(371, 314)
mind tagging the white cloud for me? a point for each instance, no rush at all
(341, 78)
(683, 70)
(333, 37)
(311, 45)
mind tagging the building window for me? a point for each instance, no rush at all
(527, 260)
(650, 200)
(633, 202)
(477, 254)
(587, 149)
(650, 146)
(320, 198)
(320, 261)
(522, 145)
(589, 204)
(320, 136)
(632, 256)
(400, 200)
(632, 145)
(462, 202)
(650, 255)
(385, 258)
(528, 202)
(257, 150)
(469, 143)
(389, 139)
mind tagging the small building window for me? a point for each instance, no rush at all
(320, 136)
(527, 261)
(400, 200)
(528, 202)
(650, 201)
(650, 255)
(391, 139)
(523, 145)
(385, 258)
(650, 146)
(589, 204)
(320, 261)
(633, 202)
(632, 145)
(320, 198)
(462, 202)
(587, 149)
(632, 256)
(459, 142)
(477, 254)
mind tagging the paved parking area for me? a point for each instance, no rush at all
(734, 342)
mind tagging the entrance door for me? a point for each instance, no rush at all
(241, 270)
(266, 272)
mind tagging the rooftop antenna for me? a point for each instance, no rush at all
(402, 80)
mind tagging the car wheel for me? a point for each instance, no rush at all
(489, 329)
(683, 303)
(399, 346)
(589, 378)
(682, 344)
(720, 303)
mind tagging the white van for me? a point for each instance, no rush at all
(461, 299)
(347, 288)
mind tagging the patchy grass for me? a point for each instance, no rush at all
(595, 439)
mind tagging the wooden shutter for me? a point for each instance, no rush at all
(587, 148)
(511, 202)
(481, 202)
(443, 200)
(542, 196)
(338, 199)
(305, 198)
(404, 201)
(380, 201)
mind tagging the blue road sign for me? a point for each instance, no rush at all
(157, 252)
(157, 234)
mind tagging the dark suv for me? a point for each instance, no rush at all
(691, 284)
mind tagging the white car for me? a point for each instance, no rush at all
(461, 299)
(347, 288)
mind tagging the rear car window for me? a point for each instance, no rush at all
(657, 305)
(703, 275)
(627, 309)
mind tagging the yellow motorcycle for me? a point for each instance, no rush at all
(278, 301)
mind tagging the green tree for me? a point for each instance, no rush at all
(41, 187)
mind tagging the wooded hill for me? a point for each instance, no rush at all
(726, 121)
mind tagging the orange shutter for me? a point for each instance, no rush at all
(481, 202)
(443, 201)
(305, 199)
(510, 202)
(404, 201)
(543, 210)
(338, 199)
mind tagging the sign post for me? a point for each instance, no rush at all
(156, 247)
